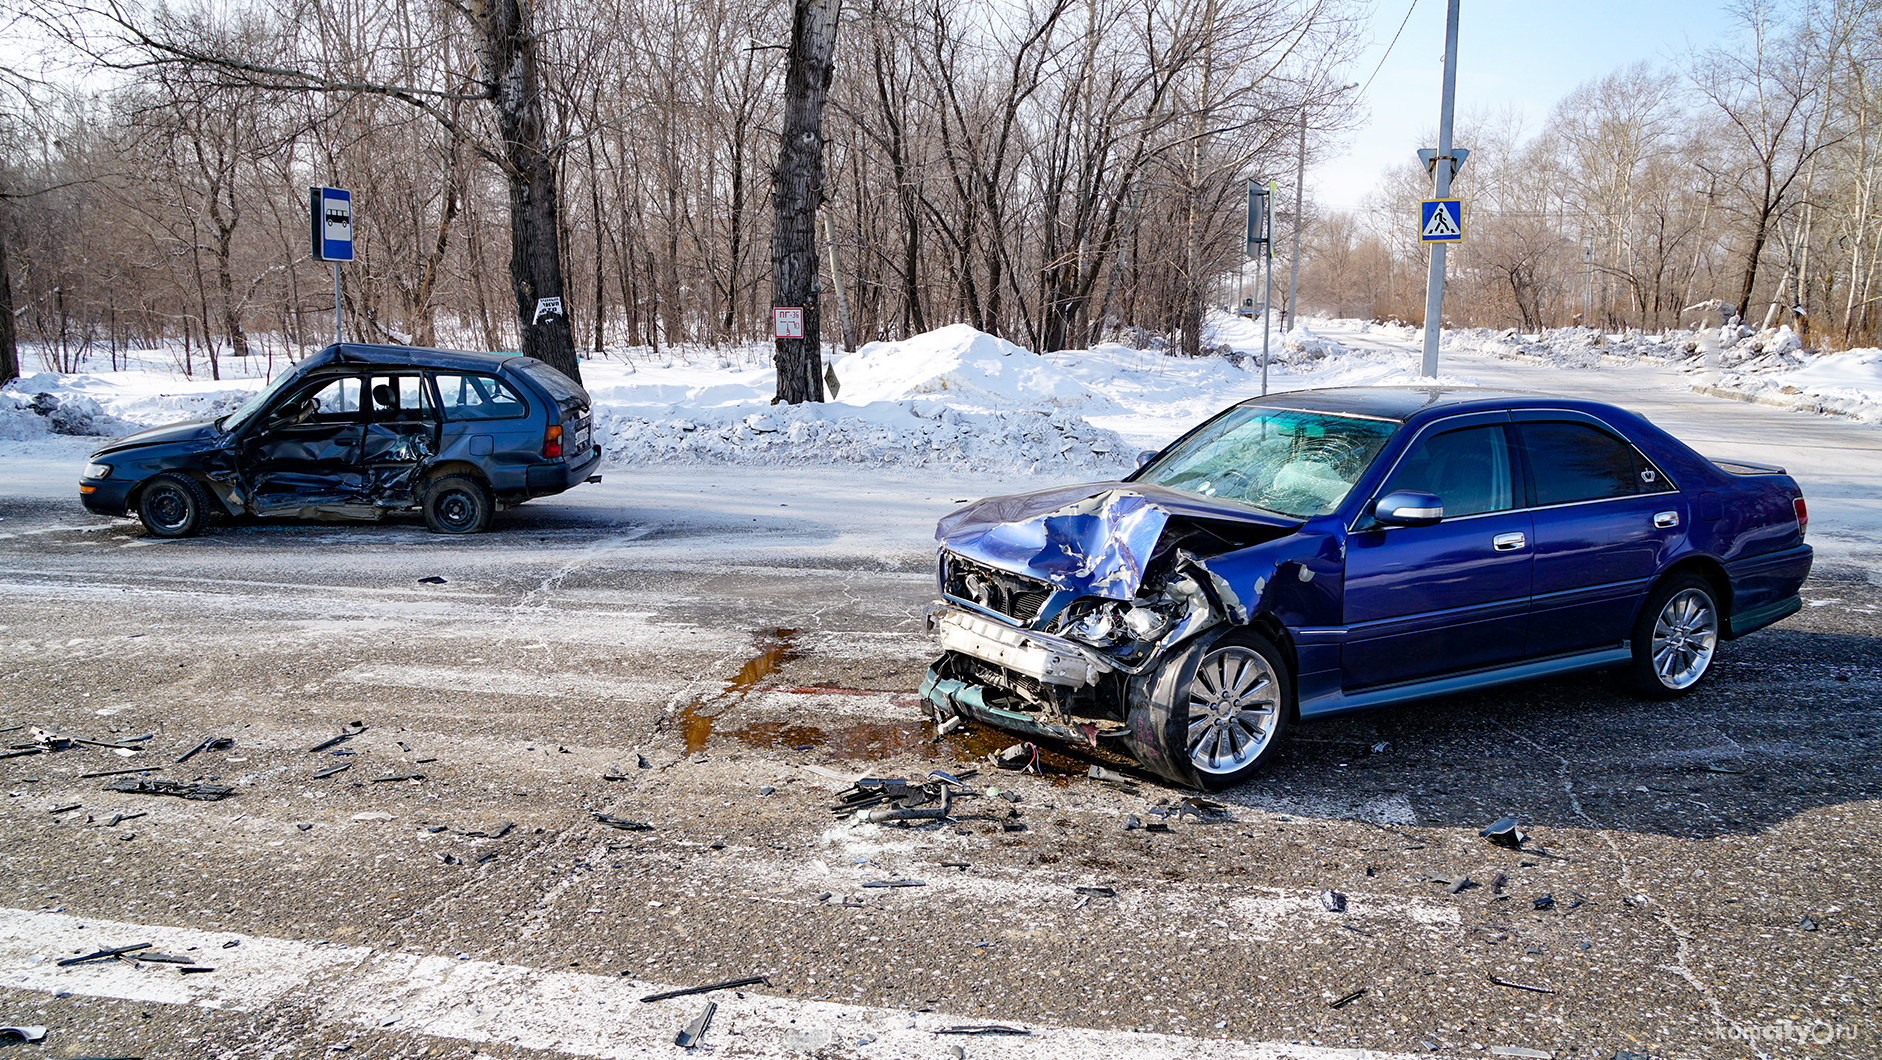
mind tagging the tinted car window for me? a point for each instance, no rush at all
(399, 399)
(477, 397)
(565, 391)
(1575, 462)
(334, 400)
(1468, 469)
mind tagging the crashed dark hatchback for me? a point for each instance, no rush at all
(1326, 551)
(359, 431)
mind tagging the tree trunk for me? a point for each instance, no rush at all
(797, 191)
(9, 350)
(535, 214)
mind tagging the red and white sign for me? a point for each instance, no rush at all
(788, 323)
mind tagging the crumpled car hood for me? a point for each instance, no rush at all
(187, 431)
(1093, 539)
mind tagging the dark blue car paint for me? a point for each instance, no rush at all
(354, 468)
(1373, 615)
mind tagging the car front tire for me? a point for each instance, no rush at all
(173, 506)
(457, 504)
(1214, 712)
(1676, 637)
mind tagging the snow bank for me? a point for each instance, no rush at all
(964, 367)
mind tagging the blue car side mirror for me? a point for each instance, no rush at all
(1146, 456)
(1408, 508)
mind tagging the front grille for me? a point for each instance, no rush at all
(1017, 597)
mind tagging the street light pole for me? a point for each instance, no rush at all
(1442, 170)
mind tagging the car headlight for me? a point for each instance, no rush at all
(97, 471)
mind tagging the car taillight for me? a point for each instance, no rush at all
(1803, 516)
(552, 442)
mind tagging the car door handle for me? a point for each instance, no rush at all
(1665, 519)
(1508, 542)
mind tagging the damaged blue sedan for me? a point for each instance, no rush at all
(1308, 554)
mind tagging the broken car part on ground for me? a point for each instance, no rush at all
(1328, 551)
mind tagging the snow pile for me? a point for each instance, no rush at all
(49, 413)
(964, 367)
(913, 434)
(18, 421)
(120, 403)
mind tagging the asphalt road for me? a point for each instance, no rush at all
(715, 654)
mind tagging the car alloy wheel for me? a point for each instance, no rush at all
(1685, 636)
(1234, 710)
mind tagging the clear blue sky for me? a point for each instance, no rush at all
(1511, 54)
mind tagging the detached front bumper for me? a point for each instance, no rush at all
(1046, 659)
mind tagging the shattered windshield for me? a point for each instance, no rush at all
(1298, 464)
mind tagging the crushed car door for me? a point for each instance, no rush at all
(1428, 600)
(305, 449)
(401, 435)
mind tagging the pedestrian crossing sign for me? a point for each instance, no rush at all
(1441, 221)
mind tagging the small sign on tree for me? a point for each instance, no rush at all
(788, 323)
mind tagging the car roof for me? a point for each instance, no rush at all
(1403, 403)
(368, 353)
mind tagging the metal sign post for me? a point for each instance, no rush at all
(1260, 247)
(330, 232)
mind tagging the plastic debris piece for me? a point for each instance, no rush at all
(190, 969)
(397, 777)
(210, 743)
(1545, 901)
(337, 740)
(231, 944)
(1132, 822)
(623, 823)
(1381, 748)
(164, 958)
(1109, 776)
(1337, 1002)
(1522, 986)
(120, 772)
(1333, 901)
(948, 726)
(322, 774)
(1505, 833)
(102, 954)
(696, 1030)
(750, 980)
(431, 579)
(1521, 1051)
(66, 809)
(1496, 885)
(1808, 924)
(983, 1028)
(896, 883)
(1357, 931)
(1096, 892)
(200, 792)
(957, 1052)
(23, 1034)
(372, 815)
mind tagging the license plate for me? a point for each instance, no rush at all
(580, 441)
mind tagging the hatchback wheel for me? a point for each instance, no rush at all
(173, 506)
(457, 504)
(1676, 637)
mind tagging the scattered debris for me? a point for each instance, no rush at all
(1333, 901)
(1381, 748)
(1505, 833)
(353, 728)
(164, 958)
(983, 1028)
(398, 777)
(623, 823)
(1808, 924)
(1020, 756)
(509, 826)
(372, 815)
(23, 1034)
(751, 980)
(1357, 931)
(119, 772)
(1545, 901)
(119, 818)
(1496, 885)
(190, 969)
(696, 1030)
(1348, 998)
(1111, 777)
(1132, 822)
(431, 579)
(201, 792)
(1096, 892)
(103, 954)
(323, 774)
(896, 883)
(948, 726)
(1517, 1050)
(1453, 885)
(210, 743)
(66, 809)
(1521, 986)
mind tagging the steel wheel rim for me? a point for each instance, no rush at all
(168, 507)
(1685, 634)
(457, 510)
(1234, 703)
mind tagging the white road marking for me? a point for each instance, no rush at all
(568, 1012)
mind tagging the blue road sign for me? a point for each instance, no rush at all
(331, 212)
(1441, 221)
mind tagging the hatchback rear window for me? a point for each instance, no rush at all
(566, 391)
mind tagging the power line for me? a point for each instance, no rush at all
(1388, 48)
